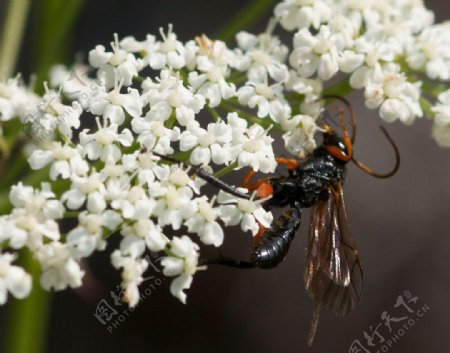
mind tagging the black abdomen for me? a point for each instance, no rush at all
(276, 241)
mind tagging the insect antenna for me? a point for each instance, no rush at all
(351, 111)
(370, 171)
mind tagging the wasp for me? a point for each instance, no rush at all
(333, 272)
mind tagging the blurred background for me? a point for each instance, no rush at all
(401, 226)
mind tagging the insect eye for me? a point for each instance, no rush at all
(339, 150)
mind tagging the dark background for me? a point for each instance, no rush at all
(401, 227)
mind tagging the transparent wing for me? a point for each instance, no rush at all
(333, 274)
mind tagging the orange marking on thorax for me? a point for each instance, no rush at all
(263, 188)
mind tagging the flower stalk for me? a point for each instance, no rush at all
(14, 26)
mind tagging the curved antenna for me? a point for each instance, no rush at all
(370, 171)
(350, 109)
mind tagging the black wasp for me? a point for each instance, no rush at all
(333, 274)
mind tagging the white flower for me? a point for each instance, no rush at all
(313, 54)
(251, 146)
(299, 139)
(59, 268)
(102, 143)
(268, 99)
(87, 188)
(16, 100)
(176, 176)
(213, 62)
(182, 262)
(166, 54)
(349, 61)
(294, 14)
(130, 44)
(134, 203)
(133, 268)
(13, 279)
(431, 51)
(213, 86)
(169, 94)
(150, 233)
(206, 145)
(154, 136)
(75, 83)
(118, 66)
(262, 56)
(51, 115)
(248, 213)
(310, 88)
(66, 161)
(374, 51)
(174, 206)
(396, 97)
(204, 223)
(113, 105)
(33, 216)
(88, 235)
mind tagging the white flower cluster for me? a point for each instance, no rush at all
(99, 151)
(99, 131)
(389, 48)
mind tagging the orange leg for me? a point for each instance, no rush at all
(249, 175)
(291, 163)
(258, 236)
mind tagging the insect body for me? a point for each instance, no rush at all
(333, 273)
(304, 186)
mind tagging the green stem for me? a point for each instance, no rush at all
(55, 20)
(71, 214)
(28, 318)
(11, 40)
(226, 170)
(15, 167)
(245, 18)
(214, 114)
(239, 80)
(341, 88)
(434, 88)
(182, 155)
(5, 205)
(426, 107)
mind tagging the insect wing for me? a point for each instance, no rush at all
(333, 274)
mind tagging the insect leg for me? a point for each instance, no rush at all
(247, 178)
(291, 163)
(227, 261)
